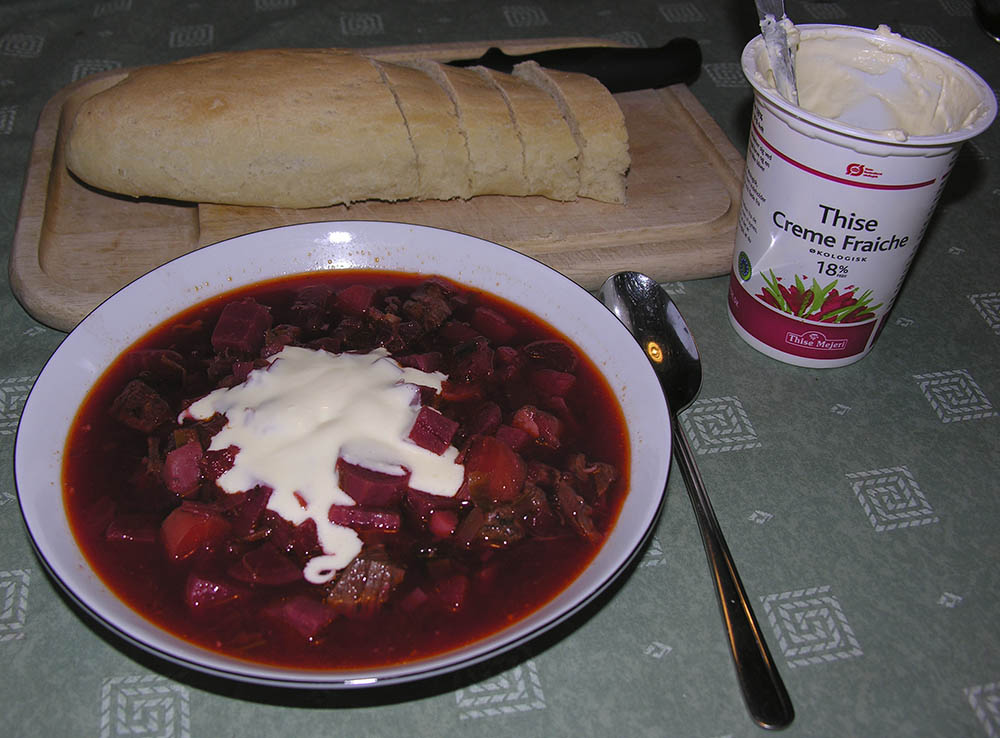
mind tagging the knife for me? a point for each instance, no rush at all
(771, 13)
(619, 68)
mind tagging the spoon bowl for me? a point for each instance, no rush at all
(645, 308)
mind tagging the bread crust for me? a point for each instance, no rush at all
(551, 155)
(443, 167)
(494, 148)
(597, 124)
(286, 128)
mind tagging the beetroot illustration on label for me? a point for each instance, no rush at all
(824, 304)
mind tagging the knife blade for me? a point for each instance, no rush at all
(771, 14)
(619, 68)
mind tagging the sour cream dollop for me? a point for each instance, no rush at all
(293, 419)
(879, 82)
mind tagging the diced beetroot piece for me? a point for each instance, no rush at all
(493, 469)
(426, 362)
(422, 504)
(140, 407)
(455, 332)
(304, 541)
(356, 299)
(310, 307)
(216, 463)
(132, 528)
(367, 487)
(266, 566)
(348, 328)
(275, 339)
(432, 430)
(552, 382)
(540, 425)
(241, 327)
(333, 343)
(182, 469)
(453, 591)
(279, 531)
(516, 438)
(248, 513)
(190, 528)
(220, 367)
(485, 421)
(552, 354)
(493, 325)
(462, 391)
(413, 600)
(558, 407)
(426, 395)
(163, 364)
(206, 593)
(442, 523)
(509, 362)
(475, 361)
(304, 615)
(365, 518)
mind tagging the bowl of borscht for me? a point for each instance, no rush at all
(342, 454)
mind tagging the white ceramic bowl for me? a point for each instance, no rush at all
(155, 297)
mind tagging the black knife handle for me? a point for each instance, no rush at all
(619, 68)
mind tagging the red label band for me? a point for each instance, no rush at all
(862, 172)
(808, 339)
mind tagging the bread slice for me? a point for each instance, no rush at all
(551, 155)
(287, 128)
(494, 148)
(597, 124)
(444, 170)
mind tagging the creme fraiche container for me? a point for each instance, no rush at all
(838, 190)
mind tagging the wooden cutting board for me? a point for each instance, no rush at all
(74, 245)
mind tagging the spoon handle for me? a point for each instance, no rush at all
(763, 691)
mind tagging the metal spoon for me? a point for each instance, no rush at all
(648, 312)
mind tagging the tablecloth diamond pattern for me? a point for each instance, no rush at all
(146, 705)
(14, 587)
(955, 396)
(514, 691)
(891, 498)
(811, 627)
(718, 425)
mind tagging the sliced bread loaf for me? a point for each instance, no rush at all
(597, 124)
(551, 155)
(494, 148)
(443, 167)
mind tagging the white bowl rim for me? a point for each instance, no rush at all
(252, 258)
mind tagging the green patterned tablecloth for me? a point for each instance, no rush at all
(861, 504)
